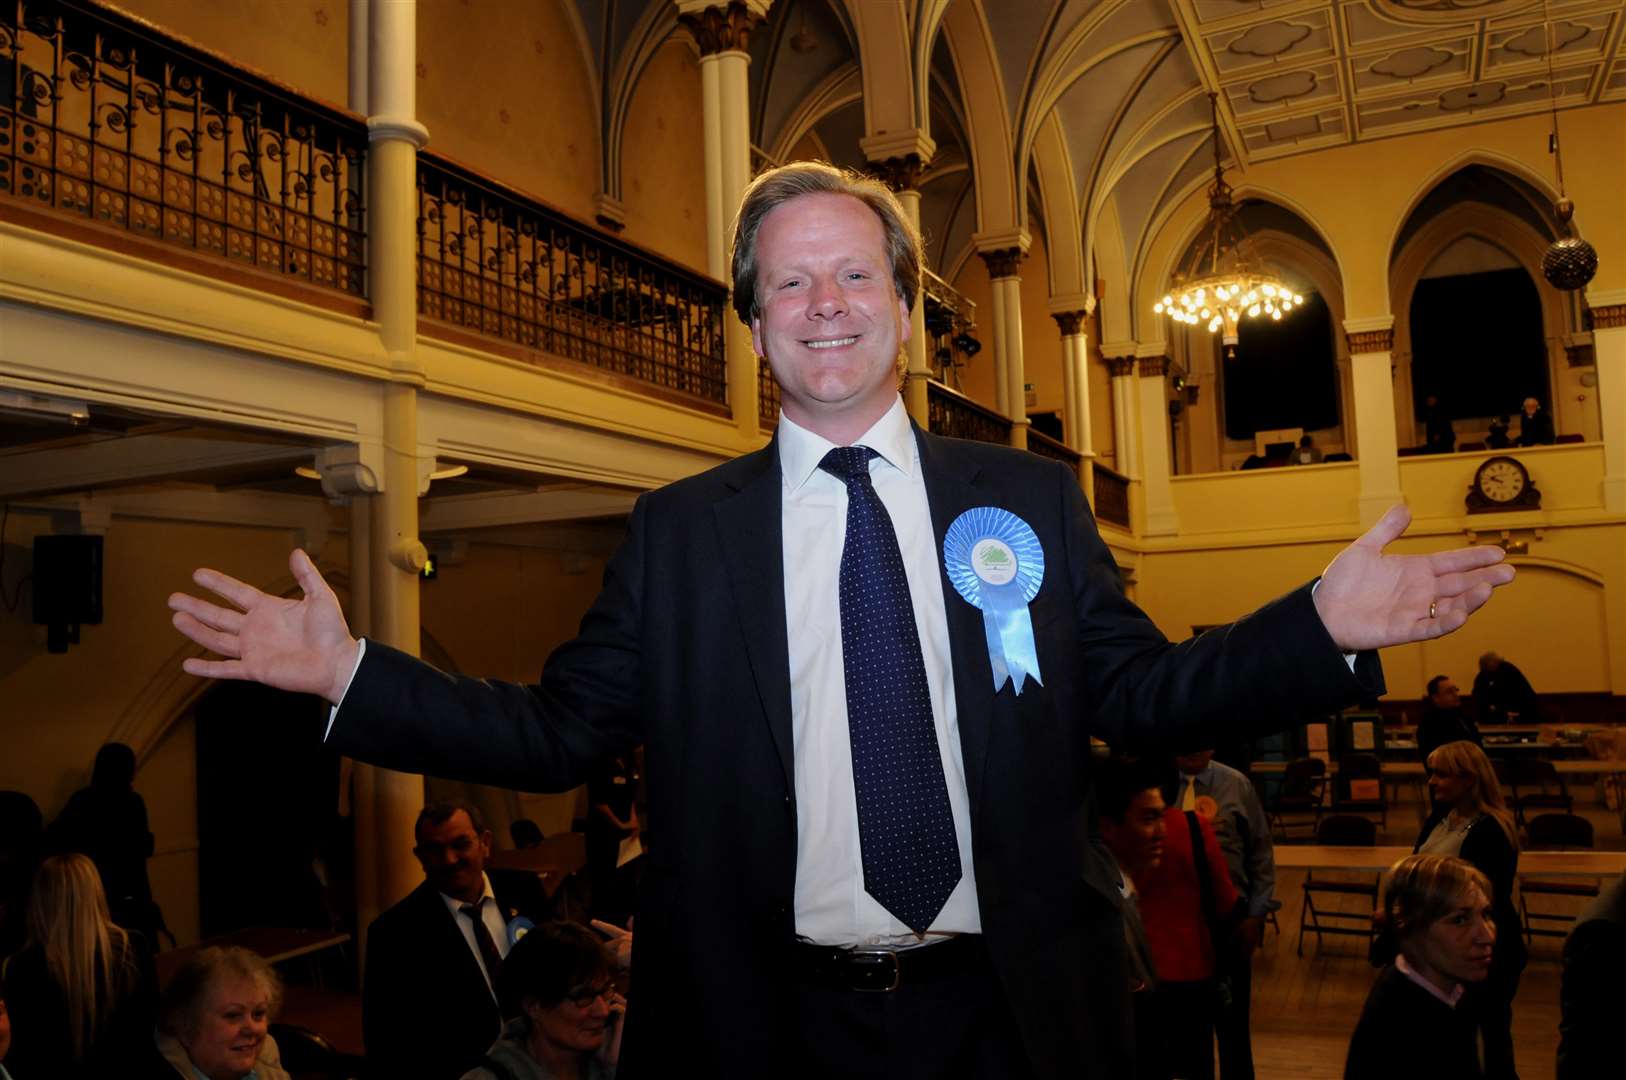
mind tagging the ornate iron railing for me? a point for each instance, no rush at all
(951, 413)
(767, 395)
(1045, 446)
(1111, 496)
(503, 265)
(105, 117)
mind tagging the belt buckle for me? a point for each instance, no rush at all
(878, 961)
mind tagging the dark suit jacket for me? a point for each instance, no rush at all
(1589, 996)
(686, 650)
(426, 1009)
(1404, 1031)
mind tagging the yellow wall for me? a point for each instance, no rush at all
(503, 87)
(304, 45)
(663, 167)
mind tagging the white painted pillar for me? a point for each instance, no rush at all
(1609, 349)
(1371, 341)
(1003, 264)
(1125, 408)
(897, 159)
(1160, 519)
(722, 32)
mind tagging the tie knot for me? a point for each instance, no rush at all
(848, 463)
(473, 910)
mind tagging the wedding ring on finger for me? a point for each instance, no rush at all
(1433, 608)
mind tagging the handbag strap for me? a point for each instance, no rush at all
(1205, 881)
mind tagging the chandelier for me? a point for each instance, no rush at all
(1219, 283)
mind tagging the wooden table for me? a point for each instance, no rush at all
(1375, 860)
(1413, 770)
(277, 944)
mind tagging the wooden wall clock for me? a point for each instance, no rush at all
(1502, 483)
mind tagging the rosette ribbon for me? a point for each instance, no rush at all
(995, 563)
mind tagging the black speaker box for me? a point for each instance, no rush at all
(67, 585)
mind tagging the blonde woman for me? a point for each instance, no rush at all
(1418, 1020)
(1471, 821)
(81, 991)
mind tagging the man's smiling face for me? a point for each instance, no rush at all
(829, 320)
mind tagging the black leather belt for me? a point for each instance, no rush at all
(884, 970)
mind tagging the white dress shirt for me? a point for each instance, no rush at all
(832, 907)
(491, 915)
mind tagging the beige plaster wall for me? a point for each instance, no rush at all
(504, 88)
(302, 43)
(663, 167)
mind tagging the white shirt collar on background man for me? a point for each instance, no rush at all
(831, 906)
(491, 915)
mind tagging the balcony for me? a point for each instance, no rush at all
(118, 135)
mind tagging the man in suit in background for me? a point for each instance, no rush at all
(870, 855)
(1535, 425)
(429, 1007)
(1589, 996)
(1444, 719)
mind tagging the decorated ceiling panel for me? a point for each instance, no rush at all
(1287, 70)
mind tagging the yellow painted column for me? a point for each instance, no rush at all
(1003, 264)
(722, 32)
(1155, 451)
(1075, 377)
(1609, 349)
(1125, 408)
(898, 158)
(1377, 451)
(394, 136)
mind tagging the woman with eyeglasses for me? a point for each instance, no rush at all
(1417, 1020)
(1471, 821)
(563, 1012)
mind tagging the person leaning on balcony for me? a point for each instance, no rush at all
(841, 797)
(1535, 425)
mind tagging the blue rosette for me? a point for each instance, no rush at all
(994, 560)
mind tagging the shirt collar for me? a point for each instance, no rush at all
(456, 905)
(800, 450)
(1410, 972)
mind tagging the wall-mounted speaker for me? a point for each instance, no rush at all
(67, 586)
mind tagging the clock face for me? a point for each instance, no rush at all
(1500, 480)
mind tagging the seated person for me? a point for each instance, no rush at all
(214, 1018)
(1306, 454)
(1438, 909)
(563, 1012)
(1496, 438)
(1535, 425)
(1444, 719)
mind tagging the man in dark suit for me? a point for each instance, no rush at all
(428, 1005)
(1589, 996)
(1444, 719)
(819, 702)
(1535, 425)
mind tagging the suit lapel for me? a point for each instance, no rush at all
(950, 489)
(749, 528)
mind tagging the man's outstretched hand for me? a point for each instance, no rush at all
(1369, 600)
(299, 645)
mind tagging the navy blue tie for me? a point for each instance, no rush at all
(905, 827)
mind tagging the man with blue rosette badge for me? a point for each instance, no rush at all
(865, 663)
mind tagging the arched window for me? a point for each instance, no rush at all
(1284, 374)
(1476, 334)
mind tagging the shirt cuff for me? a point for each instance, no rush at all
(1349, 657)
(361, 650)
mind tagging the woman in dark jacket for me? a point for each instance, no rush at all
(1471, 821)
(1417, 1021)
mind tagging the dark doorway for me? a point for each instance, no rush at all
(267, 810)
(1477, 345)
(1284, 374)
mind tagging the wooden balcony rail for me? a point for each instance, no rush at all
(1045, 446)
(951, 413)
(1111, 495)
(505, 266)
(106, 118)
